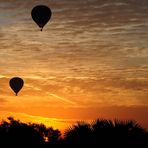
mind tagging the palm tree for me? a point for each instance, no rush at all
(132, 133)
(100, 133)
(106, 133)
(118, 133)
(79, 134)
(102, 130)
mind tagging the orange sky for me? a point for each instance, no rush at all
(90, 61)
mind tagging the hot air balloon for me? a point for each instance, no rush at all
(16, 84)
(41, 14)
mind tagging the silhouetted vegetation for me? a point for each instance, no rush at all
(99, 134)
(17, 134)
(107, 133)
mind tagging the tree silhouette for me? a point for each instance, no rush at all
(79, 134)
(17, 134)
(106, 133)
(100, 133)
(118, 133)
(51, 137)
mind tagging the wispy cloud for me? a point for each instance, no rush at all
(63, 99)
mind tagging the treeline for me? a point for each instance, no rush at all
(99, 134)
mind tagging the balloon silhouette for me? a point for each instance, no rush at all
(41, 14)
(16, 84)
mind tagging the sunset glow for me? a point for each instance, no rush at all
(90, 61)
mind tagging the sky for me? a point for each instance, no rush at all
(90, 61)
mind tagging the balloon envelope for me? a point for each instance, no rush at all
(41, 14)
(16, 84)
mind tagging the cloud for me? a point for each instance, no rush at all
(63, 99)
